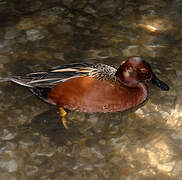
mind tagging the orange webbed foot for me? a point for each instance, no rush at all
(63, 113)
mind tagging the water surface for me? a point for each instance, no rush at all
(139, 145)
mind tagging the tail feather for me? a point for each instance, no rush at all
(18, 80)
(41, 92)
(21, 81)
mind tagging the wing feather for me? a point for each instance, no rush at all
(55, 75)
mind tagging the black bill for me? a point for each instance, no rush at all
(159, 83)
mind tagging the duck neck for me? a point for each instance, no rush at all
(139, 91)
(143, 91)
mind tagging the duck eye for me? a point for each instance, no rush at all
(130, 70)
(143, 70)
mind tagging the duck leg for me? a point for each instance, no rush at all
(63, 113)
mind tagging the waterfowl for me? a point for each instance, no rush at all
(88, 87)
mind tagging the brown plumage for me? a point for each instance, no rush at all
(93, 87)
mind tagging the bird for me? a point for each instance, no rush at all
(93, 87)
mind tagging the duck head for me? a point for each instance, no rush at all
(136, 70)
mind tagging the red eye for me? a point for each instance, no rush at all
(143, 70)
(130, 70)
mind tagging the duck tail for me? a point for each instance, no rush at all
(16, 79)
(41, 92)
(20, 80)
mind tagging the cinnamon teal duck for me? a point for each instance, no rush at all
(88, 87)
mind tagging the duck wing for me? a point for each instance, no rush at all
(55, 75)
